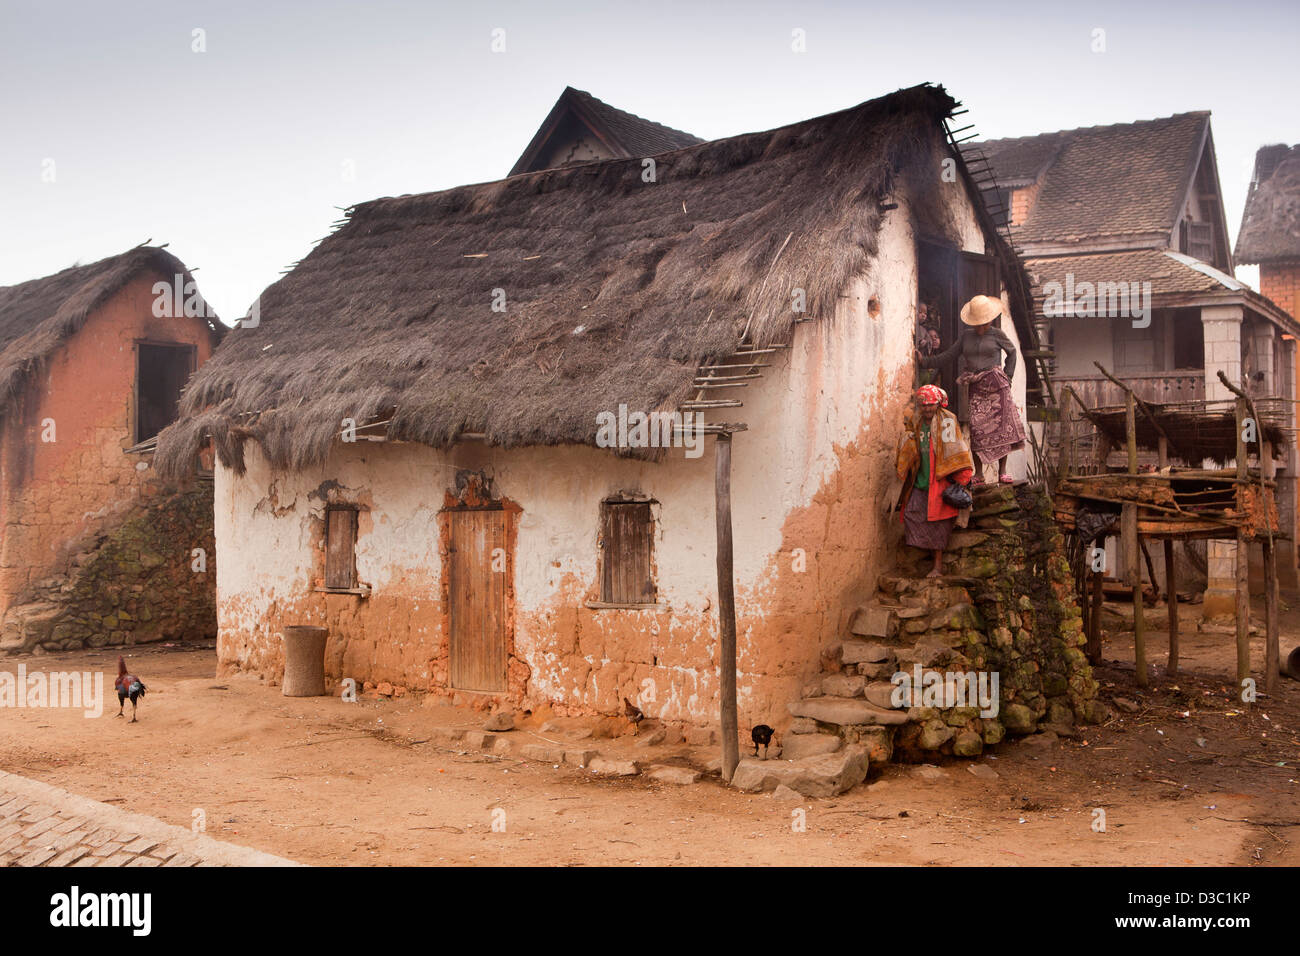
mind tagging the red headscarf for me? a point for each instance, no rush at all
(932, 395)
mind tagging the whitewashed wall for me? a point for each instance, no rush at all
(813, 474)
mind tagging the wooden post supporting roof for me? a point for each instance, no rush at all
(726, 603)
(1132, 548)
(1094, 615)
(1243, 556)
(1270, 575)
(1171, 576)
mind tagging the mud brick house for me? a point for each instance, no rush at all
(583, 129)
(93, 548)
(1110, 219)
(409, 444)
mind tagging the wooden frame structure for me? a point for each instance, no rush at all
(1171, 503)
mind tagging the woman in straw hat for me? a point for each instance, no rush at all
(995, 426)
(932, 456)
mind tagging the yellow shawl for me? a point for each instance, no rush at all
(949, 456)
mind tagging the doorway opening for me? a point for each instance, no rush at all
(161, 371)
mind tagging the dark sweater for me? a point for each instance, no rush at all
(979, 352)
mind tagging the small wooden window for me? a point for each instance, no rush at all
(627, 553)
(341, 548)
(1200, 241)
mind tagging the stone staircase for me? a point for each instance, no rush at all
(1006, 607)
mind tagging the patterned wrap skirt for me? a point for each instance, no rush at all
(995, 427)
(918, 530)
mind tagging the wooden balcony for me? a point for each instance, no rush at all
(1096, 391)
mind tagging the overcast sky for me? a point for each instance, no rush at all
(237, 156)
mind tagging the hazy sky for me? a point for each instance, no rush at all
(238, 156)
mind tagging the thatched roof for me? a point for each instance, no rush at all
(36, 317)
(616, 290)
(1270, 223)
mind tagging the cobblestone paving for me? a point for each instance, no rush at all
(41, 825)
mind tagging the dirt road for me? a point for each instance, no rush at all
(1190, 777)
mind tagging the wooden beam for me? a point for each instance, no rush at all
(726, 607)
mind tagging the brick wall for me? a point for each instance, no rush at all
(65, 480)
(1280, 281)
(1022, 201)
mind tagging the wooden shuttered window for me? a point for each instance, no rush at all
(1200, 241)
(341, 548)
(627, 553)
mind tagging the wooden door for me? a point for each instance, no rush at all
(477, 578)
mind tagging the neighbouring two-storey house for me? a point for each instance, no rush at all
(1123, 232)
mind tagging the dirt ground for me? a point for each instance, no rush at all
(1190, 777)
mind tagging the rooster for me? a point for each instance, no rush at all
(127, 685)
(762, 734)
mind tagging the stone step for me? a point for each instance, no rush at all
(854, 651)
(825, 775)
(845, 711)
(798, 746)
(961, 540)
(874, 620)
(843, 685)
(898, 588)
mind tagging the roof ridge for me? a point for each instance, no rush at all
(573, 90)
(1094, 127)
(936, 90)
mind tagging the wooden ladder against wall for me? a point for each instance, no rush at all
(735, 371)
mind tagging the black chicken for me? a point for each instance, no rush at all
(127, 685)
(762, 734)
(633, 713)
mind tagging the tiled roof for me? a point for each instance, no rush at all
(1102, 182)
(1270, 223)
(1170, 273)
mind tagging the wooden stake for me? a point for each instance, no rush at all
(1171, 597)
(1270, 578)
(1067, 438)
(1132, 548)
(726, 608)
(1171, 573)
(1094, 617)
(1243, 560)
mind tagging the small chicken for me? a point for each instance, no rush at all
(127, 685)
(762, 734)
(633, 713)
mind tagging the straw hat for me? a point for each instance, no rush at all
(981, 310)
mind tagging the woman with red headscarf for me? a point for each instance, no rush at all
(932, 457)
